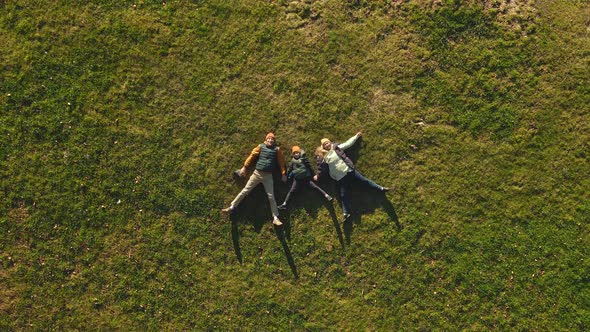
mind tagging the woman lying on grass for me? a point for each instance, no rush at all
(333, 160)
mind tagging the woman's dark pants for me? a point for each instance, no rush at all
(345, 184)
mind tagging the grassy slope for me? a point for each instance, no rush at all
(121, 126)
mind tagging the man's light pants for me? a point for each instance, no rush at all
(266, 179)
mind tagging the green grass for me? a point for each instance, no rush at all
(121, 126)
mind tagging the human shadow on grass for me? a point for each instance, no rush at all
(254, 210)
(251, 211)
(365, 201)
(311, 201)
(280, 231)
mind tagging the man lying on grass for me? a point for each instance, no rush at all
(268, 157)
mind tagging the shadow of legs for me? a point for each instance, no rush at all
(281, 236)
(390, 210)
(287, 227)
(368, 204)
(336, 223)
(235, 234)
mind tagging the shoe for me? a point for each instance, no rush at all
(346, 216)
(282, 206)
(277, 222)
(229, 210)
(384, 189)
(329, 198)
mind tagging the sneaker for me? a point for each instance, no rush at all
(228, 210)
(277, 222)
(282, 206)
(345, 216)
(329, 198)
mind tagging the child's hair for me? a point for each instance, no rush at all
(319, 152)
(295, 148)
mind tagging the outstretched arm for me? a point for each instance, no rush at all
(281, 162)
(350, 142)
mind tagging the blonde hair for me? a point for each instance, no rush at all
(319, 151)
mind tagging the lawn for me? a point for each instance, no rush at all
(122, 122)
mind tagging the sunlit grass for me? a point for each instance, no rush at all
(122, 122)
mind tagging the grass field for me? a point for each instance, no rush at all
(121, 123)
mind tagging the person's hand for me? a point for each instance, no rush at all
(242, 171)
(315, 178)
(284, 178)
(359, 134)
